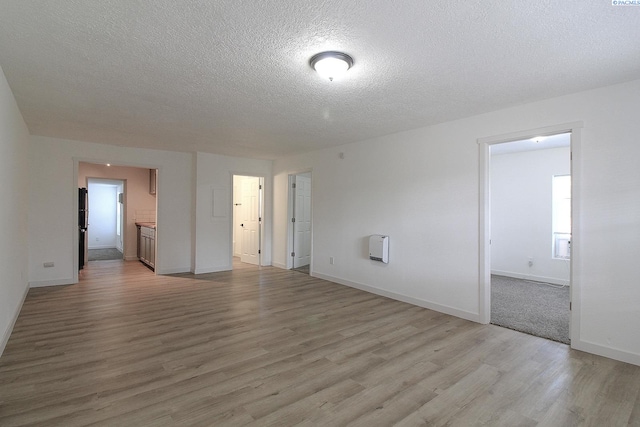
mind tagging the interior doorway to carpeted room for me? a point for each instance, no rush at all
(530, 189)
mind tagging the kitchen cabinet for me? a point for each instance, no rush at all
(147, 245)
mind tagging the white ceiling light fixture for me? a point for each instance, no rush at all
(331, 65)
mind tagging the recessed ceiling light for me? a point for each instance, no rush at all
(331, 65)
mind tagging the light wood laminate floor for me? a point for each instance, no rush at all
(264, 346)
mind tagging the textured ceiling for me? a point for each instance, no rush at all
(232, 77)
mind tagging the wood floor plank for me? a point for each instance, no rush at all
(263, 346)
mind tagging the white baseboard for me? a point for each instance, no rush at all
(545, 279)
(16, 313)
(203, 270)
(474, 317)
(172, 271)
(278, 265)
(43, 283)
(103, 247)
(611, 353)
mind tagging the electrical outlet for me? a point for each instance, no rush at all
(48, 264)
(331, 260)
(97, 239)
(530, 261)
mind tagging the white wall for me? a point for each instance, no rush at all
(422, 189)
(102, 216)
(521, 216)
(14, 188)
(213, 234)
(183, 209)
(53, 195)
(422, 195)
(137, 196)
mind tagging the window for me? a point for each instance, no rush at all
(561, 211)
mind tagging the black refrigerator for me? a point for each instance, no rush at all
(83, 217)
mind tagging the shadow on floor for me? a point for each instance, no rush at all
(304, 269)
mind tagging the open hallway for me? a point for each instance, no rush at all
(265, 346)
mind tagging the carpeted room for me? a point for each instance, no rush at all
(530, 236)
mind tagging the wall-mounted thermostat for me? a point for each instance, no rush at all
(379, 248)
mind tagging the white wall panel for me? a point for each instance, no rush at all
(14, 196)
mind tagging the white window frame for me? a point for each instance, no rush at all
(561, 216)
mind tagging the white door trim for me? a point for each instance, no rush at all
(302, 210)
(484, 263)
(291, 213)
(261, 214)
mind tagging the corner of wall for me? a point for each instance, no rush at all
(14, 318)
(14, 175)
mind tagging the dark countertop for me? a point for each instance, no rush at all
(147, 224)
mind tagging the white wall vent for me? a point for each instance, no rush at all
(379, 248)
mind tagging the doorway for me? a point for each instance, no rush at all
(136, 202)
(518, 245)
(530, 264)
(247, 218)
(106, 214)
(301, 221)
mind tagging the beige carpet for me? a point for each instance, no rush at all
(531, 307)
(104, 254)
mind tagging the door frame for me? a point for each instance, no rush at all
(484, 244)
(290, 213)
(74, 188)
(123, 229)
(261, 214)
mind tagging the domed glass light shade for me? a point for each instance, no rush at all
(331, 65)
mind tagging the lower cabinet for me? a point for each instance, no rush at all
(147, 246)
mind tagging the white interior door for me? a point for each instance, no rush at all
(120, 221)
(302, 223)
(237, 216)
(120, 218)
(250, 220)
